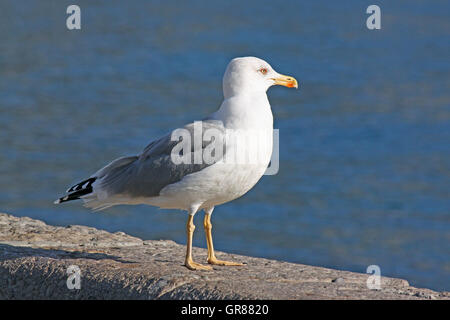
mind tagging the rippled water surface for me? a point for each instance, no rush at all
(365, 143)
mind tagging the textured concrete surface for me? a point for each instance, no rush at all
(35, 257)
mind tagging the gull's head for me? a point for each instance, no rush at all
(252, 75)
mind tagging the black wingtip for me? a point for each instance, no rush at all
(78, 190)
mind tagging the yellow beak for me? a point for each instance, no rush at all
(286, 81)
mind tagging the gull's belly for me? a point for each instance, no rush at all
(212, 186)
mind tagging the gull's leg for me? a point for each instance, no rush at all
(211, 256)
(189, 263)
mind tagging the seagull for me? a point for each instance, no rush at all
(190, 167)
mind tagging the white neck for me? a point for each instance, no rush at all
(246, 111)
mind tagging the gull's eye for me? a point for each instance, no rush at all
(263, 71)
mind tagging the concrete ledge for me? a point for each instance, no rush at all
(34, 258)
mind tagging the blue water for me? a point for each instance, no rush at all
(365, 143)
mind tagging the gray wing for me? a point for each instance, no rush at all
(147, 174)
